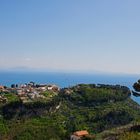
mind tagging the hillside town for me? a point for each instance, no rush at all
(29, 92)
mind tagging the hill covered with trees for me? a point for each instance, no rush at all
(95, 108)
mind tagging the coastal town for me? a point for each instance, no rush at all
(29, 92)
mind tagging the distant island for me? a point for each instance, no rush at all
(33, 111)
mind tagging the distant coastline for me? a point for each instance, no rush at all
(67, 79)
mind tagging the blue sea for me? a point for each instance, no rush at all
(68, 79)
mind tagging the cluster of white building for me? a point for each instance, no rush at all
(31, 91)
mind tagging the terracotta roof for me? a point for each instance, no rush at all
(1, 87)
(81, 133)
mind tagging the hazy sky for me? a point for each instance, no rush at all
(70, 35)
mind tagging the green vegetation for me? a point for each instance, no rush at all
(49, 94)
(89, 95)
(130, 136)
(86, 107)
(11, 97)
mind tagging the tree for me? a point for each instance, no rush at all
(136, 86)
(13, 86)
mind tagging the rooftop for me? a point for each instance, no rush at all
(81, 133)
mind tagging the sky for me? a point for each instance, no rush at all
(70, 35)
